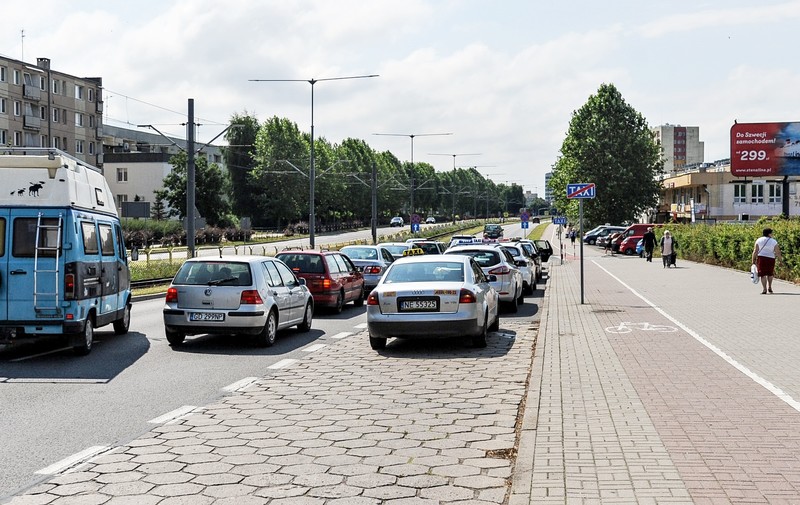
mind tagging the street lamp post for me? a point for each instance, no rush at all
(454, 156)
(312, 172)
(411, 136)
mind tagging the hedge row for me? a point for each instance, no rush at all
(731, 244)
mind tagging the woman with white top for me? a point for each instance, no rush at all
(765, 252)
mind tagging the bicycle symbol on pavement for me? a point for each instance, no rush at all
(627, 327)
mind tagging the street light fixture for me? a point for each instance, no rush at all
(454, 156)
(411, 136)
(312, 173)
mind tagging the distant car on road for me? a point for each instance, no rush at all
(396, 221)
(331, 277)
(497, 261)
(430, 220)
(254, 295)
(432, 296)
(492, 231)
(397, 248)
(373, 260)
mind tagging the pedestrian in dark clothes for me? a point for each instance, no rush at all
(649, 244)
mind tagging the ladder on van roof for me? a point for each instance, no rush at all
(45, 292)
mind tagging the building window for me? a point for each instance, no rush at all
(122, 174)
(2, 74)
(78, 92)
(739, 193)
(2, 106)
(17, 108)
(91, 121)
(56, 115)
(121, 199)
(91, 147)
(18, 139)
(57, 142)
(757, 193)
(79, 146)
(17, 79)
(42, 83)
(775, 195)
(43, 141)
(55, 86)
(90, 93)
(43, 113)
(78, 119)
(3, 137)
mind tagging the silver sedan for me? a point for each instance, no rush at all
(429, 296)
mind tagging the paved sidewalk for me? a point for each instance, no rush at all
(666, 386)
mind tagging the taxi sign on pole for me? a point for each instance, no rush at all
(581, 190)
(560, 220)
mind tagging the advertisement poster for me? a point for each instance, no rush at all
(765, 149)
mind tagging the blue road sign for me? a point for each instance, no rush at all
(525, 225)
(414, 227)
(560, 220)
(581, 190)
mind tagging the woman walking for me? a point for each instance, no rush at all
(765, 252)
(668, 247)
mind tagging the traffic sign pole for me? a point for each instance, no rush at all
(580, 236)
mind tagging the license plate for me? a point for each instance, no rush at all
(430, 305)
(206, 316)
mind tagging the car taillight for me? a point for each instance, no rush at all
(501, 270)
(69, 286)
(372, 270)
(250, 297)
(326, 283)
(372, 299)
(466, 296)
(172, 295)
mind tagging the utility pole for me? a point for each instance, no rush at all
(190, 180)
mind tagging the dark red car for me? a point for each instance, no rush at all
(331, 277)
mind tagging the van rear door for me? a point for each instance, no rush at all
(4, 255)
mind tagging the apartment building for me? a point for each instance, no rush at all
(681, 146)
(40, 107)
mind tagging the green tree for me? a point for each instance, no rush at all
(608, 143)
(209, 190)
(240, 161)
(158, 211)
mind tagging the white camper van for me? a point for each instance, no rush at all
(63, 264)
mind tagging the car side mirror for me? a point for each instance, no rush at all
(491, 278)
(301, 281)
(521, 263)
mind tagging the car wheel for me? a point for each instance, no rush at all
(495, 326)
(359, 302)
(267, 335)
(628, 252)
(521, 298)
(513, 305)
(591, 241)
(339, 305)
(306, 324)
(175, 338)
(479, 340)
(83, 345)
(122, 325)
(377, 343)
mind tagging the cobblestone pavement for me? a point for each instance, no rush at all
(418, 423)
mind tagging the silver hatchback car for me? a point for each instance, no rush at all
(253, 295)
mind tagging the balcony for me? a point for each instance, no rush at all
(31, 92)
(32, 122)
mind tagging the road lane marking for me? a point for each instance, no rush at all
(40, 354)
(240, 384)
(69, 461)
(30, 380)
(342, 334)
(772, 388)
(361, 326)
(282, 364)
(169, 416)
(313, 348)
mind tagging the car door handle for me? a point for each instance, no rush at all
(18, 271)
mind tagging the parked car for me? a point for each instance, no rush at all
(253, 295)
(497, 261)
(640, 248)
(463, 239)
(373, 260)
(430, 246)
(428, 296)
(631, 235)
(430, 220)
(594, 236)
(545, 249)
(492, 231)
(533, 253)
(397, 248)
(526, 265)
(331, 277)
(396, 221)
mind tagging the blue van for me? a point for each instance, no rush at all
(63, 263)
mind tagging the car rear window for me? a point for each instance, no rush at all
(303, 263)
(360, 253)
(223, 273)
(482, 258)
(439, 271)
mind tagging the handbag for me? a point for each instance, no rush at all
(754, 273)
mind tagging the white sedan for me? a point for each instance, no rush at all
(432, 296)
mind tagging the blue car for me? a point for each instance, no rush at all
(640, 248)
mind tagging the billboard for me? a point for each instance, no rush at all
(765, 149)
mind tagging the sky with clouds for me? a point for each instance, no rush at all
(503, 77)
